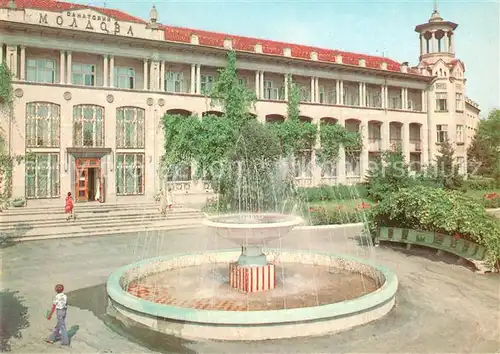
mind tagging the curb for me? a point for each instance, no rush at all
(107, 233)
(328, 227)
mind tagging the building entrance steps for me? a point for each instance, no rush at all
(92, 219)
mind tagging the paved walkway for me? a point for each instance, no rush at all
(441, 307)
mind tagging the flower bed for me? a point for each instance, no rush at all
(338, 215)
(491, 200)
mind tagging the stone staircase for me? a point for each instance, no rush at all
(92, 219)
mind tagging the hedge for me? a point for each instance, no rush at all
(331, 193)
(439, 210)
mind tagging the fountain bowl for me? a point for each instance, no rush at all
(253, 228)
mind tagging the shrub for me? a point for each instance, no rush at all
(482, 183)
(329, 193)
(439, 210)
(389, 173)
(335, 216)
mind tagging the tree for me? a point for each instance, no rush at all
(235, 153)
(447, 171)
(484, 151)
(389, 174)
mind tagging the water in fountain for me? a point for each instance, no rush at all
(254, 186)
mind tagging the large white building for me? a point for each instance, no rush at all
(91, 85)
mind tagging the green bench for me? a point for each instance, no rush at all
(462, 248)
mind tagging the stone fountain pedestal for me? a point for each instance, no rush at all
(251, 273)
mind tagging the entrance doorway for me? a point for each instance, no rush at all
(88, 184)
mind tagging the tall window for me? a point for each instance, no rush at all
(130, 128)
(41, 70)
(129, 174)
(243, 81)
(442, 133)
(459, 102)
(352, 165)
(373, 98)
(174, 82)
(460, 134)
(88, 126)
(305, 94)
(303, 167)
(42, 124)
(124, 77)
(441, 102)
(351, 95)
(206, 83)
(270, 92)
(42, 176)
(83, 74)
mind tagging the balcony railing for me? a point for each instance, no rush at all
(396, 144)
(375, 144)
(415, 145)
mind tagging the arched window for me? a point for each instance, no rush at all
(43, 120)
(130, 132)
(88, 126)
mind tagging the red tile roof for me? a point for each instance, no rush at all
(214, 39)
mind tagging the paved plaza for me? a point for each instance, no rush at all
(441, 306)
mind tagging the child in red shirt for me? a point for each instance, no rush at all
(68, 208)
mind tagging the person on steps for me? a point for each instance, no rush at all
(68, 208)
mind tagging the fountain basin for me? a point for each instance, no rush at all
(253, 228)
(196, 323)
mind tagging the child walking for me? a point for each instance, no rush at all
(59, 305)
(166, 202)
(68, 208)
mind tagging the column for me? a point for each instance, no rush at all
(22, 69)
(162, 75)
(198, 79)
(285, 84)
(316, 90)
(406, 141)
(452, 42)
(446, 42)
(382, 96)
(337, 92)
(424, 141)
(105, 79)
(433, 42)
(386, 133)
(192, 89)
(406, 98)
(341, 96)
(261, 82)
(341, 178)
(424, 101)
(422, 45)
(1, 52)
(11, 59)
(360, 93)
(69, 60)
(145, 70)
(62, 57)
(365, 152)
(112, 71)
(403, 98)
(313, 90)
(386, 96)
(257, 85)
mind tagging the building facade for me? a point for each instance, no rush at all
(91, 85)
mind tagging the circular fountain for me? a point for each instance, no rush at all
(237, 295)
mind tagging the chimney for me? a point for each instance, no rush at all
(338, 59)
(404, 67)
(362, 62)
(228, 43)
(314, 56)
(287, 52)
(258, 48)
(194, 39)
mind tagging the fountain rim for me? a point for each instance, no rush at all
(288, 220)
(364, 303)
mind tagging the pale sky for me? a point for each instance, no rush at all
(368, 27)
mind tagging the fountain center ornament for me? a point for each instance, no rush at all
(252, 272)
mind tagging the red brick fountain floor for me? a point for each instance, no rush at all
(207, 288)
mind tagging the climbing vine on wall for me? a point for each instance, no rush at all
(332, 137)
(6, 90)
